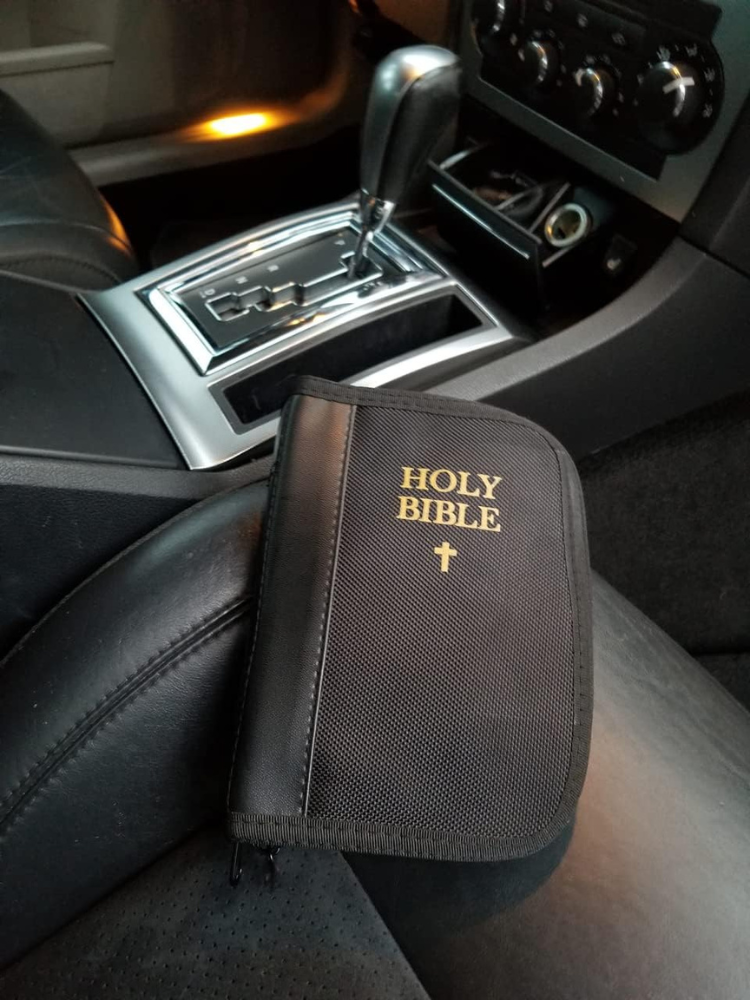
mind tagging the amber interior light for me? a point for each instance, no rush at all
(255, 121)
(233, 125)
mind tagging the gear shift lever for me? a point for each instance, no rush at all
(414, 96)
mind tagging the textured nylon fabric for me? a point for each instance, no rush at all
(180, 930)
(447, 699)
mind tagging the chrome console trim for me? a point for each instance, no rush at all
(179, 371)
(164, 296)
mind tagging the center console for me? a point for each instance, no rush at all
(341, 292)
(245, 319)
(555, 263)
(588, 129)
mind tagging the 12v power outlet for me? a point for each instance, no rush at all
(567, 225)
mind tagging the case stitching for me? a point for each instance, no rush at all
(167, 668)
(575, 608)
(502, 418)
(314, 689)
(434, 405)
(554, 446)
(261, 590)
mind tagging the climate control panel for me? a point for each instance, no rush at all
(642, 83)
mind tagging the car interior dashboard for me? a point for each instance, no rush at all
(584, 140)
(560, 255)
(540, 205)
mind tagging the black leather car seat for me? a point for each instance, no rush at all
(54, 224)
(116, 718)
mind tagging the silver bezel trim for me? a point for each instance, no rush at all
(191, 401)
(164, 297)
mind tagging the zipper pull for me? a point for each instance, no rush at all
(235, 865)
(271, 866)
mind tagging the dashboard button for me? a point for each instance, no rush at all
(619, 256)
(582, 16)
(623, 35)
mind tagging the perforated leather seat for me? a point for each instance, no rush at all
(116, 719)
(54, 224)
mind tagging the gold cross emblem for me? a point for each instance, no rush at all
(446, 553)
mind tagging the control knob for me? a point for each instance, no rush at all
(595, 90)
(493, 21)
(540, 63)
(670, 97)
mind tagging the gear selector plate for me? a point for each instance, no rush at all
(261, 294)
(267, 290)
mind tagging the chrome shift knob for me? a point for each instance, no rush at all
(413, 98)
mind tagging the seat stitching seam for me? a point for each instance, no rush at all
(168, 667)
(16, 262)
(23, 223)
(116, 561)
(184, 637)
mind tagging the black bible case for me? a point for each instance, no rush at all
(420, 679)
